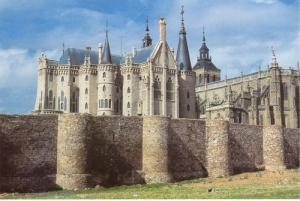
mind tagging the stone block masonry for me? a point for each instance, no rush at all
(68, 151)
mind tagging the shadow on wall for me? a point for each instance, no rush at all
(240, 160)
(291, 148)
(26, 164)
(183, 162)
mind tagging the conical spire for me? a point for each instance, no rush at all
(147, 40)
(183, 57)
(106, 56)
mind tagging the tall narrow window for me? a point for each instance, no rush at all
(104, 88)
(106, 103)
(104, 75)
(62, 79)
(128, 105)
(128, 77)
(102, 103)
(51, 77)
(74, 79)
(109, 103)
(86, 91)
(188, 94)
(50, 95)
(86, 106)
(128, 90)
(86, 78)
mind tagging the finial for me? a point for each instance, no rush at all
(63, 47)
(203, 39)
(106, 27)
(273, 51)
(147, 25)
(182, 12)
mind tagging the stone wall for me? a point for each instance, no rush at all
(246, 147)
(44, 152)
(28, 152)
(187, 149)
(291, 139)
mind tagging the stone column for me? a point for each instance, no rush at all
(273, 147)
(155, 149)
(217, 148)
(72, 151)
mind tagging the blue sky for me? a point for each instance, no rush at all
(239, 34)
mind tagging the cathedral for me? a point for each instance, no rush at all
(152, 81)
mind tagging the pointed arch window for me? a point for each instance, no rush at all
(104, 88)
(86, 106)
(104, 75)
(188, 94)
(86, 91)
(62, 79)
(86, 78)
(128, 90)
(128, 105)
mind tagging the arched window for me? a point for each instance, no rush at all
(86, 78)
(214, 77)
(128, 105)
(104, 75)
(51, 77)
(208, 78)
(50, 95)
(188, 107)
(200, 78)
(117, 106)
(109, 103)
(128, 77)
(62, 79)
(104, 88)
(128, 90)
(188, 94)
(86, 106)
(74, 79)
(86, 91)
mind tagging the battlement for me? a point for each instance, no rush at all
(68, 151)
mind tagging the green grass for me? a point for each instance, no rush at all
(249, 185)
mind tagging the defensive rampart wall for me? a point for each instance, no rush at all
(68, 151)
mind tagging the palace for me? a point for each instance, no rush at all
(152, 81)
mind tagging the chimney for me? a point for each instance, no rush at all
(100, 47)
(162, 29)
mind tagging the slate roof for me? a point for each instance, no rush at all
(205, 63)
(77, 57)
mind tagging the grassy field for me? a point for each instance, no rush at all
(282, 184)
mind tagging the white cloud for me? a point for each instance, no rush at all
(264, 1)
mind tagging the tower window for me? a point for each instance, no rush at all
(188, 94)
(128, 77)
(86, 78)
(50, 95)
(86, 106)
(128, 105)
(51, 77)
(109, 103)
(128, 90)
(62, 78)
(73, 79)
(86, 91)
(104, 75)
(104, 88)
(188, 107)
(106, 103)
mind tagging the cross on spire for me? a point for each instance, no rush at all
(182, 12)
(203, 39)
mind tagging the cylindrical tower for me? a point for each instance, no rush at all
(273, 147)
(106, 89)
(72, 151)
(155, 149)
(217, 148)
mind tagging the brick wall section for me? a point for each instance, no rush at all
(291, 147)
(28, 152)
(117, 150)
(73, 145)
(155, 149)
(187, 149)
(273, 147)
(246, 144)
(217, 152)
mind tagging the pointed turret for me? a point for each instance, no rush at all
(204, 51)
(274, 63)
(106, 56)
(147, 41)
(183, 57)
